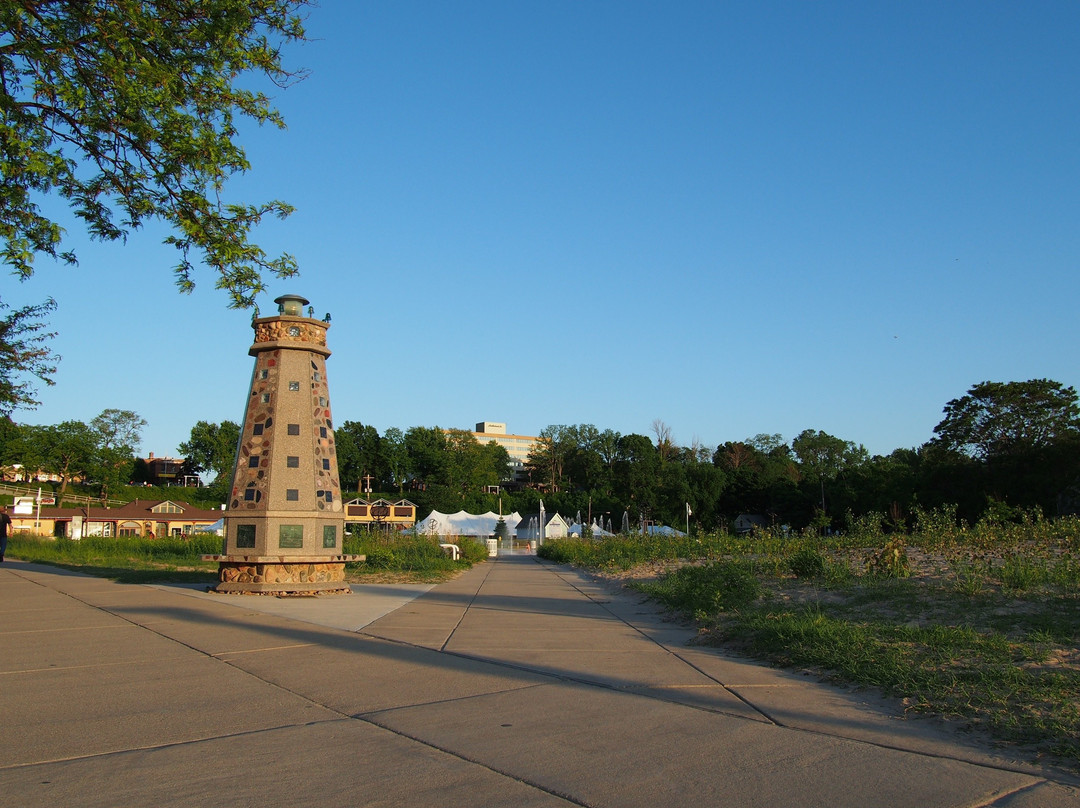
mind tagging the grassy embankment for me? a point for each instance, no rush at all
(127, 560)
(980, 623)
(402, 557)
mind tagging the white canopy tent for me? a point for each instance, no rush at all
(465, 524)
(577, 529)
(218, 527)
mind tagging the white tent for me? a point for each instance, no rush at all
(555, 527)
(218, 527)
(464, 524)
(577, 529)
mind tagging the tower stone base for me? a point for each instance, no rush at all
(278, 575)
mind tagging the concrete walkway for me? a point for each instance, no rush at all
(519, 683)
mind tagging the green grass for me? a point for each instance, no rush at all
(133, 560)
(138, 560)
(995, 680)
(981, 624)
(418, 557)
(626, 551)
(706, 590)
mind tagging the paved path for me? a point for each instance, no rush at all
(517, 684)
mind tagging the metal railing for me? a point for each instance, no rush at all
(12, 490)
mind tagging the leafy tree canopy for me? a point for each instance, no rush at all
(997, 419)
(823, 456)
(24, 352)
(359, 453)
(211, 447)
(118, 434)
(127, 110)
(67, 450)
(118, 429)
(426, 448)
(397, 459)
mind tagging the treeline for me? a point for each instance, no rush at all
(100, 453)
(1000, 450)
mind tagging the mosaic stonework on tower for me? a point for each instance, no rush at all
(315, 485)
(285, 519)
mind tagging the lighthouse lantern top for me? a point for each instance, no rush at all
(292, 305)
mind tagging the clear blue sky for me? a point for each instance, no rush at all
(736, 217)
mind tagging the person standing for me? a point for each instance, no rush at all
(5, 525)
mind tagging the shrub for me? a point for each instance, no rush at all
(381, 558)
(808, 562)
(970, 577)
(865, 530)
(938, 528)
(1021, 572)
(707, 590)
(891, 561)
(409, 552)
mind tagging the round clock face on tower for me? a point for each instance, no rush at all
(294, 331)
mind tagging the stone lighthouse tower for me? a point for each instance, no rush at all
(284, 520)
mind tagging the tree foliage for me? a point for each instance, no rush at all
(825, 457)
(472, 465)
(118, 429)
(24, 352)
(67, 450)
(997, 419)
(547, 460)
(101, 451)
(118, 434)
(211, 448)
(665, 441)
(359, 453)
(426, 451)
(816, 479)
(397, 459)
(128, 111)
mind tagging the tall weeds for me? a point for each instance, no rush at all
(410, 552)
(97, 549)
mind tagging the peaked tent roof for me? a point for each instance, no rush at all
(577, 529)
(549, 517)
(464, 524)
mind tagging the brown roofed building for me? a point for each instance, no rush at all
(144, 518)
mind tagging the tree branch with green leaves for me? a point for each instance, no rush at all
(127, 110)
(24, 351)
